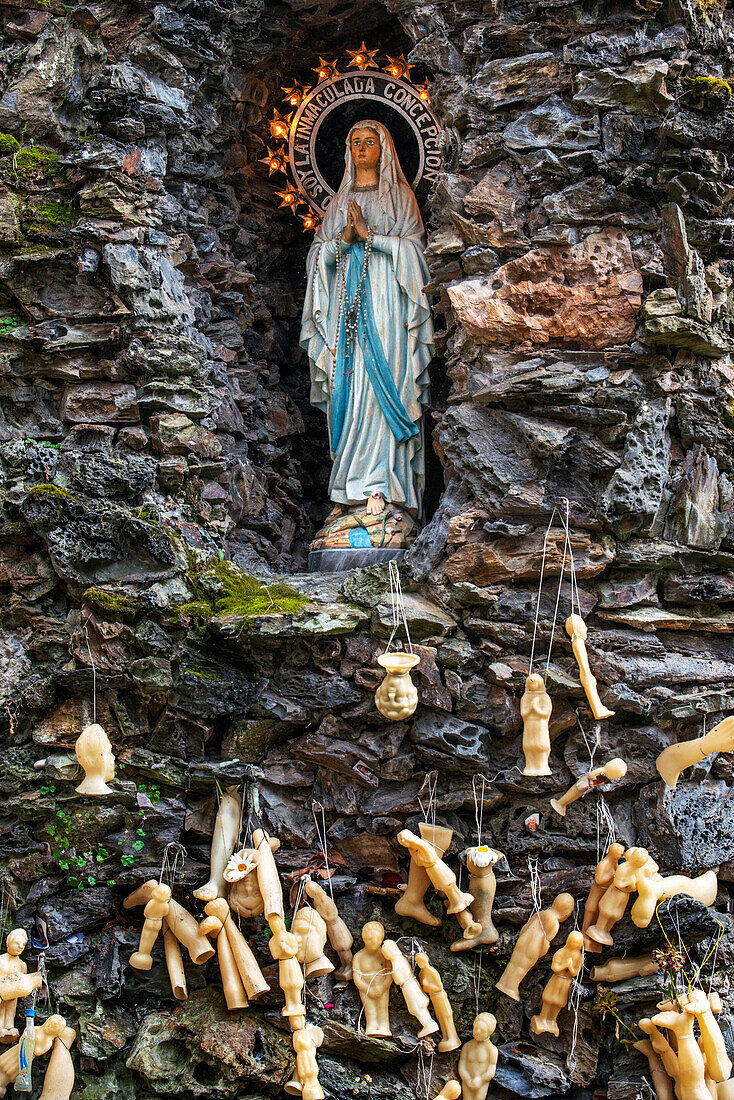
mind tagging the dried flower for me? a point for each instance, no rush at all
(670, 959)
(605, 1002)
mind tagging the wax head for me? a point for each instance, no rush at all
(576, 625)
(421, 959)
(616, 850)
(535, 682)
(365, 146)
(637, 856)
(391, 950)
(615, 769)
(646, 1025)
(484, 1026)
(54, 1025)
(373, 934)
(452, 1090)
(563, 906)
(16, 942)
(575, 940)
(715, 1001)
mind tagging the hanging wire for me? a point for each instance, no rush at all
(604, 822)
(321, 834)
(597, 740)
(424, 1072)
(540, 588)
(574, 1001)
(172, 864)
(477, 979)
(574, 584)
(397, 604)
(429, 811)
(535, 884)
(94, 671)
(479, 804)
(555, 610)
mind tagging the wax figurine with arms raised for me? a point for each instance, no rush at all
(368, 333)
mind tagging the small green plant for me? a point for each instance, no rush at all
(11, 322)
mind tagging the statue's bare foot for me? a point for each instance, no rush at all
(375, 504)
(337, 511)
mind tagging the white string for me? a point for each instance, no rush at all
(424, 1073)
(365, 995)
(574, 1000)
(479, 804)
(540, 589)
(94, 672)
(535, 884)
(397, 603)
(321, 834)
(604, 820)
(597, 741)
(574, 583)
(555, 610)
(429, 811)
(174, 857)
(477, 979)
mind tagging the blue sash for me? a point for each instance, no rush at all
(378, 371)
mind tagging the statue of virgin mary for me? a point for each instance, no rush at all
(368, 333)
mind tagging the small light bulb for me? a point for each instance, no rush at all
(359, 59)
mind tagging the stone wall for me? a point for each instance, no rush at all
(157, 448)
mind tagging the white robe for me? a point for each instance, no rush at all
(369, 458)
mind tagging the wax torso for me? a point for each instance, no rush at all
(373, 975)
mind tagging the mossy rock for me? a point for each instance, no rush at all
(706, 93)
(32, 162)
(8, 145)
(47, 489)
(221, 588)
(47, 218)
(117, 605)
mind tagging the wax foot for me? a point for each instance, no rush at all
(206, 893)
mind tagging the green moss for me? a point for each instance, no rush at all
(706, 92)
(48, 216)
(47, 489)
(8, 145)
(30, 162)
(214, 677)
(220, 588)
(112, 603)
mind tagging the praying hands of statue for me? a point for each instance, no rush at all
(356, 227)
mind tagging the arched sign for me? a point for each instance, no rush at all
(320, 126)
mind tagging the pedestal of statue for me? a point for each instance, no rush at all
(355, 537)
(343, 561)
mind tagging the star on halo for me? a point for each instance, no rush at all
(294, 96)
(279, 125)
(290, 198)
(398, 67)
(326, 70)
(362, 58)
(275, 160)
